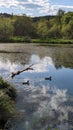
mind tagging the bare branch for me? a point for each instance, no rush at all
(13, 74)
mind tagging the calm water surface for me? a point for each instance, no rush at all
(42, 104)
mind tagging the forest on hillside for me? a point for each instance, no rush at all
(15, 28)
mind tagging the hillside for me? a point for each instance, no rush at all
(15, 28)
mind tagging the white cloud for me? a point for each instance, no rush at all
(63, 6)
(30, 14)
(9, 3)
(42, 7)
(55, 8)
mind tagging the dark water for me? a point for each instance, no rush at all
(42, 104)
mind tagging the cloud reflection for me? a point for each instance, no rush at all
(51, 104)
(40, 99)
(8, 66)
(41, 65)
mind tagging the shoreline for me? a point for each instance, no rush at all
(39, 41)
(62, 43)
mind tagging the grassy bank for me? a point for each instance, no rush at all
(44, 41)
(7, 101)
(54, 45)
(52, 41)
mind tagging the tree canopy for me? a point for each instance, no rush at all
(24, 27)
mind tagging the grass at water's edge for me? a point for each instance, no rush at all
(54, 45)
(44, 41)
(52, 41)
(7, 101)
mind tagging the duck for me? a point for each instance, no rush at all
(26, 83)
(48, 78)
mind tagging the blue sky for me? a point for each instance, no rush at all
(35, 7)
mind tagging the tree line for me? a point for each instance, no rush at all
(15, 28)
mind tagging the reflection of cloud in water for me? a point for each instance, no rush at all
(8, 66)
(50, 104)
(41, 65)
(48, 97)
(45, 100)
(58, 98)
(54, 99)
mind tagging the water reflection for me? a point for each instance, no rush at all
(21, 53)
(7, 65)
(43, 104)
(42, 65)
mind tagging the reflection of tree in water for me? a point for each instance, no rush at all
(60, 56)
(21, 58)
(63, 57)
(38, 108)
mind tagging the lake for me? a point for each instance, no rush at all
(43, 104)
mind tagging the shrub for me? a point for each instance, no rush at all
(7, 101)
(6, 109)
(27, 39)
(8, 88)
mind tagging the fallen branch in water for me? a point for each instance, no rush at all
(13, 74)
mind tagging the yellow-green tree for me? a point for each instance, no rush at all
(6, 29)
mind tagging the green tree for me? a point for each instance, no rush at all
(42, 28)
(60, 13)
(67, 17)
(54, 32)
(67, 28)
(23, 26)
(6, 29)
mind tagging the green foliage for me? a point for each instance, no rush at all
(53, 42)
(42, 28)
(8, 88)
(49, 129)
(24, 29)
(19, 39)
(60, 12)
(6, 29)
(67, 17)
(27, 39)
(54, 32)
(67, 30)
(6, 107)
(3, 83)
(7, 99)
(23, 26)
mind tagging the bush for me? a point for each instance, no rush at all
(54, 32)
(27, 39)
(7, 101)
(6, 109)
(8, 88)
